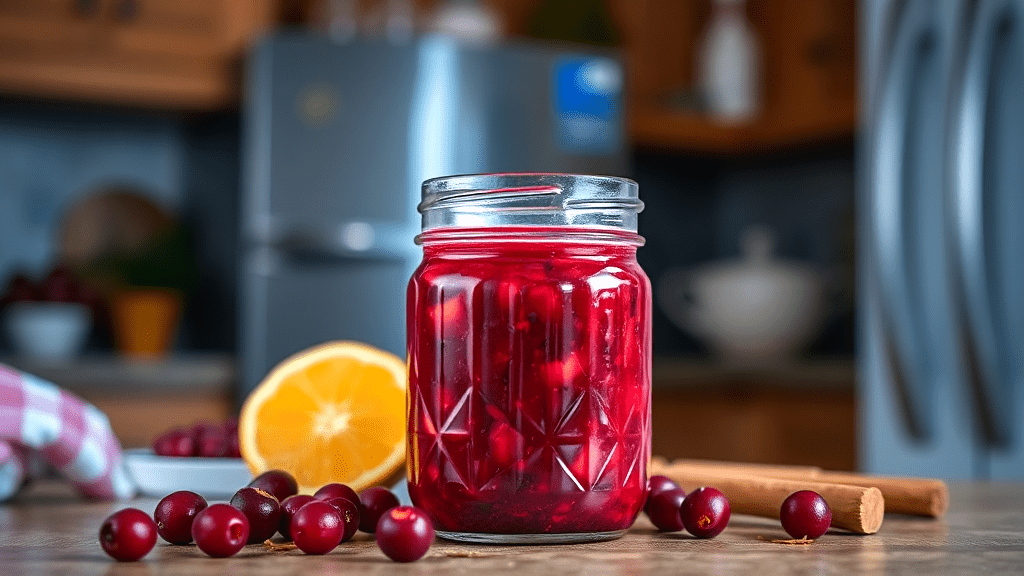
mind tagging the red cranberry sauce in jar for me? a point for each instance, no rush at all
(529, 381)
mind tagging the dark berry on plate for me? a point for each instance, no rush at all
(349, 515)
(209, 439)
(374, 502)
(404, 533)
(705, 512)
(20, 289)
(805, 514)
(317, 528)
(663, 509)
(220, 530)
(212, 446)
(336, 490)
(261, 509)
(278, 482)
(175, 513)
(128, 534)
(656, 484)
(289, 507)
(175, 442)
(233, 449)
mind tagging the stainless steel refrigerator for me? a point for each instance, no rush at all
(338, 139)
(941, 248)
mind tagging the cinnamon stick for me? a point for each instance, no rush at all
(855, 508)
(917, 496)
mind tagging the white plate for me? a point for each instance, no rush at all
(212, 478)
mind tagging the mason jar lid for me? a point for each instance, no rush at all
(497, 200)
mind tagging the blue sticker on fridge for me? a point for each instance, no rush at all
(587, 103)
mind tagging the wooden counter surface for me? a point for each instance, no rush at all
(48, 531)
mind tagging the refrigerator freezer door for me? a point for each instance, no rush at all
(986, 211)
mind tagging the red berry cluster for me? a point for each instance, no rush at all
(59, 285)
(206, 439)
(705, 511)
(271, 503)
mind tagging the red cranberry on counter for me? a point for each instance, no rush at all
(128, 535)
(705, 512)
(656, 485)
(289, 507)
(805, 514)
(317, 528)
(374, 502)
(335, 490)
(220, 530)
(349, 515)
(262, 511)
(664, 509)
(404, 533)
(277, 482)
(175, 513)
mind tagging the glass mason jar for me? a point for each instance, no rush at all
(529, 341)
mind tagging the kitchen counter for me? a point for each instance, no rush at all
(48, 531)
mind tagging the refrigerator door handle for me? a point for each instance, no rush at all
(349, 241)
(889, 218)
(967, 203)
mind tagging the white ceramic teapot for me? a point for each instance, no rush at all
(755, 311)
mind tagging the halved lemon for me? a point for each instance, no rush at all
(331, 413)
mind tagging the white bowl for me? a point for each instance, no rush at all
(211, 478)
(47, 331)
(755, 311)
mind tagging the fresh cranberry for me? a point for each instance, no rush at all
(405, 533)
(234, 451)
(175, 513)
(705, 512)
(175, 442)
(374, 502)
(21, 289)
(289, 507)
(204, 427)
(60, 284)
(317, 528)
(349, 515)
(209, 439)
(277, 482)
(128, 534)
(212, 446)
(805, 514)
(262, 511)
(655, 485)
(663, 509)
(220, 530)
(336, 490)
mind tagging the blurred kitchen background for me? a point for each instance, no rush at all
(205, 187)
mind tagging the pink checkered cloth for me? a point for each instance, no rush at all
(38, 419)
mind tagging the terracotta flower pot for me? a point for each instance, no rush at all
(145, 321)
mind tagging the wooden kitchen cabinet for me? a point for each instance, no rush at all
(808, 60)
(179, 54)
(800, 415)
(808, 74)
